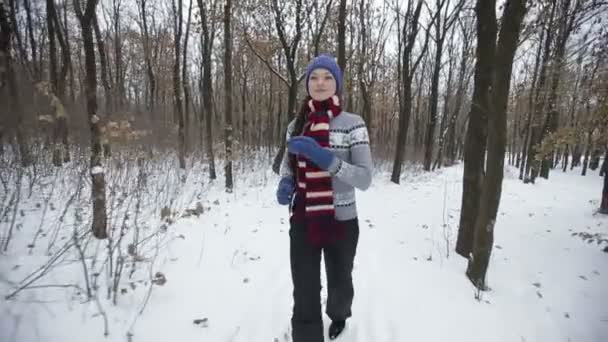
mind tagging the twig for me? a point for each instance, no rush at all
(83, 260)
(18, 199)
(103, 314)
(40, 272)
(46, 205)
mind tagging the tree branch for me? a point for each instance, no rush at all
(265, 61)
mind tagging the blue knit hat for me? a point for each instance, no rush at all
(327, 62)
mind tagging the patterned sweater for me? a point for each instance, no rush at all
(351, 169)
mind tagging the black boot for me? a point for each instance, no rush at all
(335, 328)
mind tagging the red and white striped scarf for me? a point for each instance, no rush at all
(315, 204)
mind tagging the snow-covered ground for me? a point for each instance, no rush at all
(228, 278)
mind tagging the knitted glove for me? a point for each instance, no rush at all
(310, 149)
(285, 190)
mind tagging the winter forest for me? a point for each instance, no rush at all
(141, 144)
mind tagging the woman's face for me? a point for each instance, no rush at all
(321, 85)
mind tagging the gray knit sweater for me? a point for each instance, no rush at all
(351, 169)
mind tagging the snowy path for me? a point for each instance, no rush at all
(232, 270)
(406, 288)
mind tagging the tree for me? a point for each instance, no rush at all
(475, 143)
(98, 187)
(407, 69)
(532, 167)
(177, 90)
(207, 38)
(342, 35)
(185, 76)
(147, 46)
(228, 133)
(443, 23)
(107, 88)
(8, 80)
(290, 47)
(495, 107)
(464, 76)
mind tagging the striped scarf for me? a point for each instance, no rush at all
(314, 195)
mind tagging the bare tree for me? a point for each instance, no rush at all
(567, 19)
(532, 167)
(496, 108)
(475, 143)
(185, 76)
(442, 23)
(464, 76)
(342, 35)
(228, 133)
(107, 88)
(290, 47)
(370, 50)
(98, 187)
(207, 39)
(8, 80)
(147, 42)
(407, 40)
(177, 90)
(37, 72)
(119, 70)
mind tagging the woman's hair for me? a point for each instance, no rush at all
(298, 126)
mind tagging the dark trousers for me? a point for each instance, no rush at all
(307, 323)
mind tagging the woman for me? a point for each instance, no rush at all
(329, 156)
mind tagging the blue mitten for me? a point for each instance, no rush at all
(309, 148)
(285, 190)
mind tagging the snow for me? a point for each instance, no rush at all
(229, 268)
(96, 170)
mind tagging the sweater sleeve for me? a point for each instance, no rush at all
(285, 169)
(357, 172)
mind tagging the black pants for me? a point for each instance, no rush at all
(307, 323)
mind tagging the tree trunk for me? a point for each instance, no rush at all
(181, 139)
(442, 25)
(37, 73)
(52, 26)
(475, 142)
(408, 37)
(52, 48)
(7, 74)
(118, 60)
(532, 166)
(445, 116)
(525, 166)
(107, 89)
(404, 119)
(148, 59)
(429, 140)
(228, 134)
(66, 59)
(365, 95)
(185, 81)
(15, 30)
(98, 187)
(290, 50)
(604, 172)
(5, 43)
(587, 152)
(513, 15)
(291, 104)
(342, 36)
(207, 38)
(551, 123)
